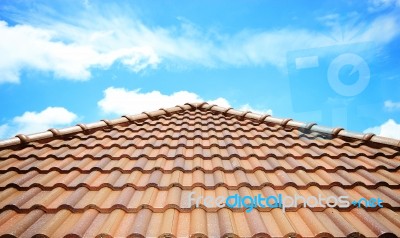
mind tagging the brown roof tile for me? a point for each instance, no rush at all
(133, 176)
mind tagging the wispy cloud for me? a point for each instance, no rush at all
(121, 101)
(71, 46)
(383, 30)
(388, 129)
(32, 122)
(391, 106)
(352, 28)
(380, 5)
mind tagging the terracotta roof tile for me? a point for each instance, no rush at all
(133, 176)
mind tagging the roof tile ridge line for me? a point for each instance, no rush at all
(53, 133)
(21, 139)
(334, 131)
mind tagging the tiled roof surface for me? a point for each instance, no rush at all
(132, 177)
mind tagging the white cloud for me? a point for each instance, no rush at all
(388, 129)
(124, 102)
(121, 101)
(3, 130)
(24, 46)
(247, 107)
(222, 102)
(71, 46)
(390, 105)
(32, 122)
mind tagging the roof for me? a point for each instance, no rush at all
(132, 176)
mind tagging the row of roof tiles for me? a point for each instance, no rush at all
(190, 153)
(199, 223)
(258, 179)
(249, 164)
(132, 200)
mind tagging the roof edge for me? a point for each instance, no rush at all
(52, 133)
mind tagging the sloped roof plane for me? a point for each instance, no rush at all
(144, 176)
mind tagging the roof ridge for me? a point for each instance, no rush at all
(53, 133)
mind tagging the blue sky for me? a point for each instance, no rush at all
(335, 63)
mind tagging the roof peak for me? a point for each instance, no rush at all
(313, 127)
